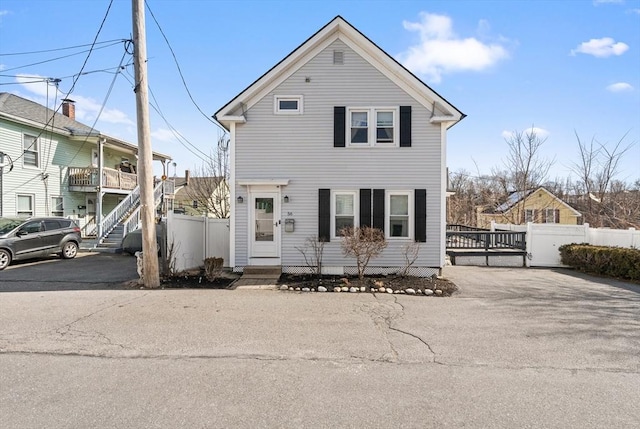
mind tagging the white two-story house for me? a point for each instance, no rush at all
(337, 134)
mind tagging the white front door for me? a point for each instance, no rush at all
(264, 221)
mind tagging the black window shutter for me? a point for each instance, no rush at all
(365, 207)
(378, 209)
(420, 207)
(405, 126)
(324, 215)
(339, 121)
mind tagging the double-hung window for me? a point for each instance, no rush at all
(56, 206)
(372, 127)
(30, 150)
(24, 205)
(550, 216)
(399, 222)
(528, 215)
(344, 211)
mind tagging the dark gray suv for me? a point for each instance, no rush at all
(37, 237)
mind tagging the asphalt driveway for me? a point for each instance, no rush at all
(515, 348)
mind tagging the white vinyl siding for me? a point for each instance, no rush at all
(301, 149)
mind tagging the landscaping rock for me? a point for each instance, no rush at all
(438, 292)
(290, 287)
(298, 289)
(410, 291)
(306, 289)
(379, 283)
(389, 290)
(428, 292)
(382, 289)
(353, 289)
(284, 287)
(322, 289)
(419, 291)
(345, 289)
(363, 288)
(337, 289)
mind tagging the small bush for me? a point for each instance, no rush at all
(606, 261)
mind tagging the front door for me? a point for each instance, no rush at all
(265, 225)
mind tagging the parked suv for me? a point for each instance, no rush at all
(37, 237)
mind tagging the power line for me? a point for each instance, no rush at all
(60, 49)
(175, 59)
(57, 58)
(73, 85)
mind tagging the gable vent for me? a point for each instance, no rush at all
(338, 57)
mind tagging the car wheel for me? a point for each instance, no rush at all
(69, 250)
(5, 259)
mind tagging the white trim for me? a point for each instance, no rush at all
(410, 218)
(33, 204)
(263, 182)
(38, 145)
(232, 195)
(299, 99)
(339, 29)
(356, 209)
(232, 119)
(268, 192)
(443, 197)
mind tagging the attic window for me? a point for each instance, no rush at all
(338, 57)
(287, 104)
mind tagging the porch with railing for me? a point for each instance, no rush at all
(87, 178)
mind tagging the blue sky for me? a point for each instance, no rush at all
(560, 66)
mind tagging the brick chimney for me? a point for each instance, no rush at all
(69, 108)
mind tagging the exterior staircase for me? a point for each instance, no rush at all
(123, 219)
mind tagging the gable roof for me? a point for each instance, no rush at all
(339, 28)
(516, 197)
(17, 109)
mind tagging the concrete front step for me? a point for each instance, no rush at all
(262, 271)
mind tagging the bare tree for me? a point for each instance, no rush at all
(210, 185)
(312, 252)
(525, 168)
(362, 243)
(603, 199)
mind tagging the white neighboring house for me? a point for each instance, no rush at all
(336, 134)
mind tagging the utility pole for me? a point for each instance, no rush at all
(151, 274)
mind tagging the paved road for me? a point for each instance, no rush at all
(515, 348)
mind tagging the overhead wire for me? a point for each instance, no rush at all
(175, 59)
(59, 49)
(75, 80)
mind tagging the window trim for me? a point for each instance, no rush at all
(37, 151)
(53, 205)
(33, 205)
(553, 215)
(356, 209)
(410, 216)
(372, 126)
(278, 98)
(531, 218)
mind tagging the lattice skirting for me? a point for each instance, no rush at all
(353, 270)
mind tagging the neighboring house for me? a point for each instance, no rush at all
(201, 196)
(55, 165)
(537, 206)
(337, 134)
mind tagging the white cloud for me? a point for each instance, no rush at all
(599, 2)
(539, 132)
(163, 135)
(601, 48)
(440, 51)
(620, 87)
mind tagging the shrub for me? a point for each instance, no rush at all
(607, 261)
(363, 244)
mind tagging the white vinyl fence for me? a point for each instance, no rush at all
(544, 239)
(191, 239)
